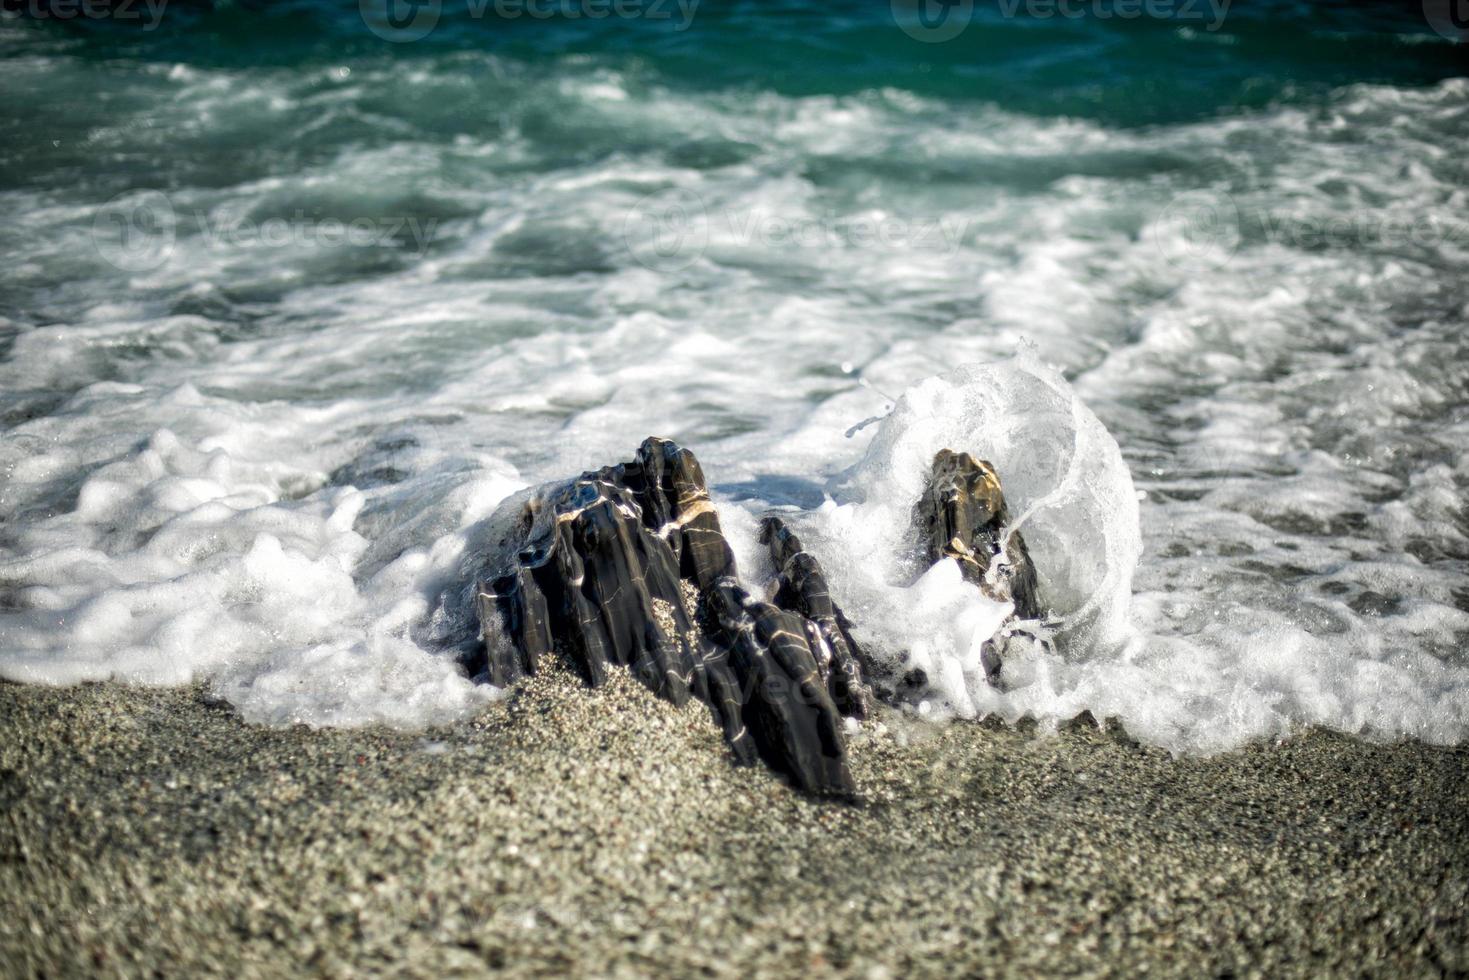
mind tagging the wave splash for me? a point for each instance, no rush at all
(1068, 490)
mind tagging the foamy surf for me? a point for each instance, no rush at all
(182, 563)
(259, 464)
(1069, 493)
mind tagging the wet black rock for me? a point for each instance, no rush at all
(627, 567)
(801, 587)
(962, 515)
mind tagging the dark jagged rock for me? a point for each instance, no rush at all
(962, 515)
(801, 587)
(628, 566)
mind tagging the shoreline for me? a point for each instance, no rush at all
(606, 832)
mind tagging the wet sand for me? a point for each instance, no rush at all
(605, 833)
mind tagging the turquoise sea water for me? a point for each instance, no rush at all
(294, 296)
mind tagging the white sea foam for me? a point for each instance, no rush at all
(1069, 493)
(180, 562)
(258, 467)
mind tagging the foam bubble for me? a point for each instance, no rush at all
(1067, 489)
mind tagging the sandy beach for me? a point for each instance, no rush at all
(605, 833)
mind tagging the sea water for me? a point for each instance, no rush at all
(289, 307)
